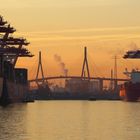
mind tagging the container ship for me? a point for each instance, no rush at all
(13, 81)
(130, 91)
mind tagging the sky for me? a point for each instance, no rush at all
(64, 27)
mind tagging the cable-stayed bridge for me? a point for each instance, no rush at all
(85, 69)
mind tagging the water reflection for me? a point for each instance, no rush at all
(70, 120)
(13, 122)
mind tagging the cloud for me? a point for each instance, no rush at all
(129, 28)
(96, 34)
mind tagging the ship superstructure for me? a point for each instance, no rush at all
(13, 81)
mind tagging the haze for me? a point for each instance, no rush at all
(64, 27)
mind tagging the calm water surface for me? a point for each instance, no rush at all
(71, 120)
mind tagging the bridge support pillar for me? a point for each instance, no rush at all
(85, 65)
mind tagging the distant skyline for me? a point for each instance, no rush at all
(64, 27)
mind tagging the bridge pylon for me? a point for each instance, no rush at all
(40, 68)
(85, 65)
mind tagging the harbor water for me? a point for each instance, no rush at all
(71, 120)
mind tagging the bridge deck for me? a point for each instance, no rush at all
(77, 77)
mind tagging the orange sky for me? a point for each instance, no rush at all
(64, 27)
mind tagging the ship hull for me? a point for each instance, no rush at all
(130, 91)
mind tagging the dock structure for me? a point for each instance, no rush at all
(14, 83)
